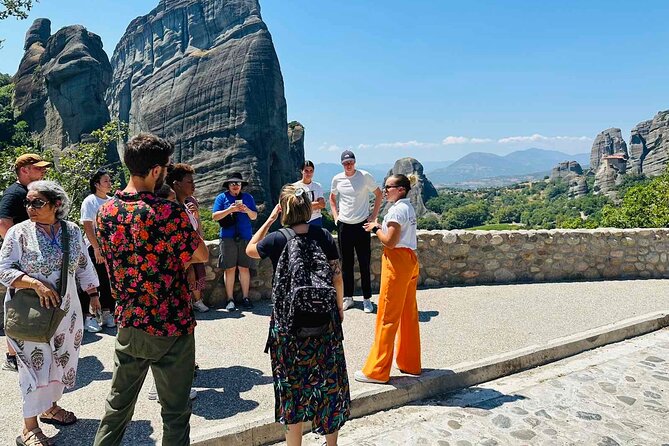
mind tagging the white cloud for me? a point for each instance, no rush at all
(398, 145)
(451, 140)
(541, 138)
(325, 147)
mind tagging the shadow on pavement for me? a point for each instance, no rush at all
(426, 316)
(214, 404)
(83, 431)
(90, 369)
(475, 397)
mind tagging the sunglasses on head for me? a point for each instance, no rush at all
(37, 203)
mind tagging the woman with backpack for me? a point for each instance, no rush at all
(305, 339)
(398, 311)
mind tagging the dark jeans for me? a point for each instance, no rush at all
(350, 238)
(172, 362)
(106, 299)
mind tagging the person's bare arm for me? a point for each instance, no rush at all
(252, 247)
(378, 196)
(333, 207)
(216, 216)
(338, 283)
(89, 230)
(200, 255)
(5, 224)
(318, 204)
(391, 238)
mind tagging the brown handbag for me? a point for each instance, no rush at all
(25, 318)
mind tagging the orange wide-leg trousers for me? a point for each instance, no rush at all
(397, 314)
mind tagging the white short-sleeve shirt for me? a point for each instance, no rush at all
(315, 191)
(353, 195)
(89, 211)
(403, 213)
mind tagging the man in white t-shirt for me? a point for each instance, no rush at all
(315, 192)
(353, 188)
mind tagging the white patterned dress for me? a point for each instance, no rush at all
(45, 370)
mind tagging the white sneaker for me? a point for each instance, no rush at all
(231, 306)
(91, 325)
(348, 303)
(367, 306)
(361, 377)
(200, 306)
(108, 319)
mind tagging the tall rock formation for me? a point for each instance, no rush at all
(60, 84)
(421, 192)
(296, 144)
(650, 144)
(572, 173)
(608, 142)
(204, 73)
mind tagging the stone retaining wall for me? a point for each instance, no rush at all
(485, 257)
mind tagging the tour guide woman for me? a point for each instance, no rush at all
(310, 380)
(31, 257)
(398, 311)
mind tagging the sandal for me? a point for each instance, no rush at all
(58, 416)
(34, 437)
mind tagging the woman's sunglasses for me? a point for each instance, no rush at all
(37, 203)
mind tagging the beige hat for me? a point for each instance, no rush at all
(30, 159)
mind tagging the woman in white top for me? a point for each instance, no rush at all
(100, 185)
(398, 311)
(315, 192)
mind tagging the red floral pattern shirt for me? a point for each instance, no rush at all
(146, 241)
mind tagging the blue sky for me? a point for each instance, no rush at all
(438, 79)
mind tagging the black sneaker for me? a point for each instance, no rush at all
(10, 363)
(246, 303)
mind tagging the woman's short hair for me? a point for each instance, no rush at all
(95, 179)
(53, 192)
(295, 205)
(177, 172)
(307, 163)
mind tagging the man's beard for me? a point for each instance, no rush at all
(161, 179)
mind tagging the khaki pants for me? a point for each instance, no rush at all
(172, 362)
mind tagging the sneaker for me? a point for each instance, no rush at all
(246, 303)
(361, 377)
(367, 306)
(91, 325)
(348, 303)
(231, 306)
(200, 306)
(10, 363)
(108, 319)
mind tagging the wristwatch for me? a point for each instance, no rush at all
(376, 229)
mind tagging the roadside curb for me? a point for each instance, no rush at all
(374, 398)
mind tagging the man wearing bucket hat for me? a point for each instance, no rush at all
(234, 211)
(28, 167)
(353, 187)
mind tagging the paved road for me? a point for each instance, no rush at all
(614, 395)
(234, 384)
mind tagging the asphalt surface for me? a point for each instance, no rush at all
(234, 382)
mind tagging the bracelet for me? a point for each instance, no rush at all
(376, 229)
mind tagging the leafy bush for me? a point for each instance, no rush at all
(645, 205)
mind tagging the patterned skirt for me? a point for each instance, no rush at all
(310, 380)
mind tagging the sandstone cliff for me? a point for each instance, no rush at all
(205, 74)
(650, 144)
(608, 142)
(421, 192)
(296, 144)
(60, 84)
(572, 173)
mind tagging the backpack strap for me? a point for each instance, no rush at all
(288, 233)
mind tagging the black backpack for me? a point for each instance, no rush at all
(302, 289)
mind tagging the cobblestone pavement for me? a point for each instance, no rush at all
(614, 395)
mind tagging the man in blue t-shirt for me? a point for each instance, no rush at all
(234, 211)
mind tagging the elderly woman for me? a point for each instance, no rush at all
(309, 370)
(234, 211)
(31, 257)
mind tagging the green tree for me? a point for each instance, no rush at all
(15, 8)
(210, 228)
(645, 205)
(465, 216)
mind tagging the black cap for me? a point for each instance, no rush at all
(347, 155)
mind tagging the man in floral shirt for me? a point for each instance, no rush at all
(148, 243)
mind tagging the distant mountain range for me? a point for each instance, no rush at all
(477, 166)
